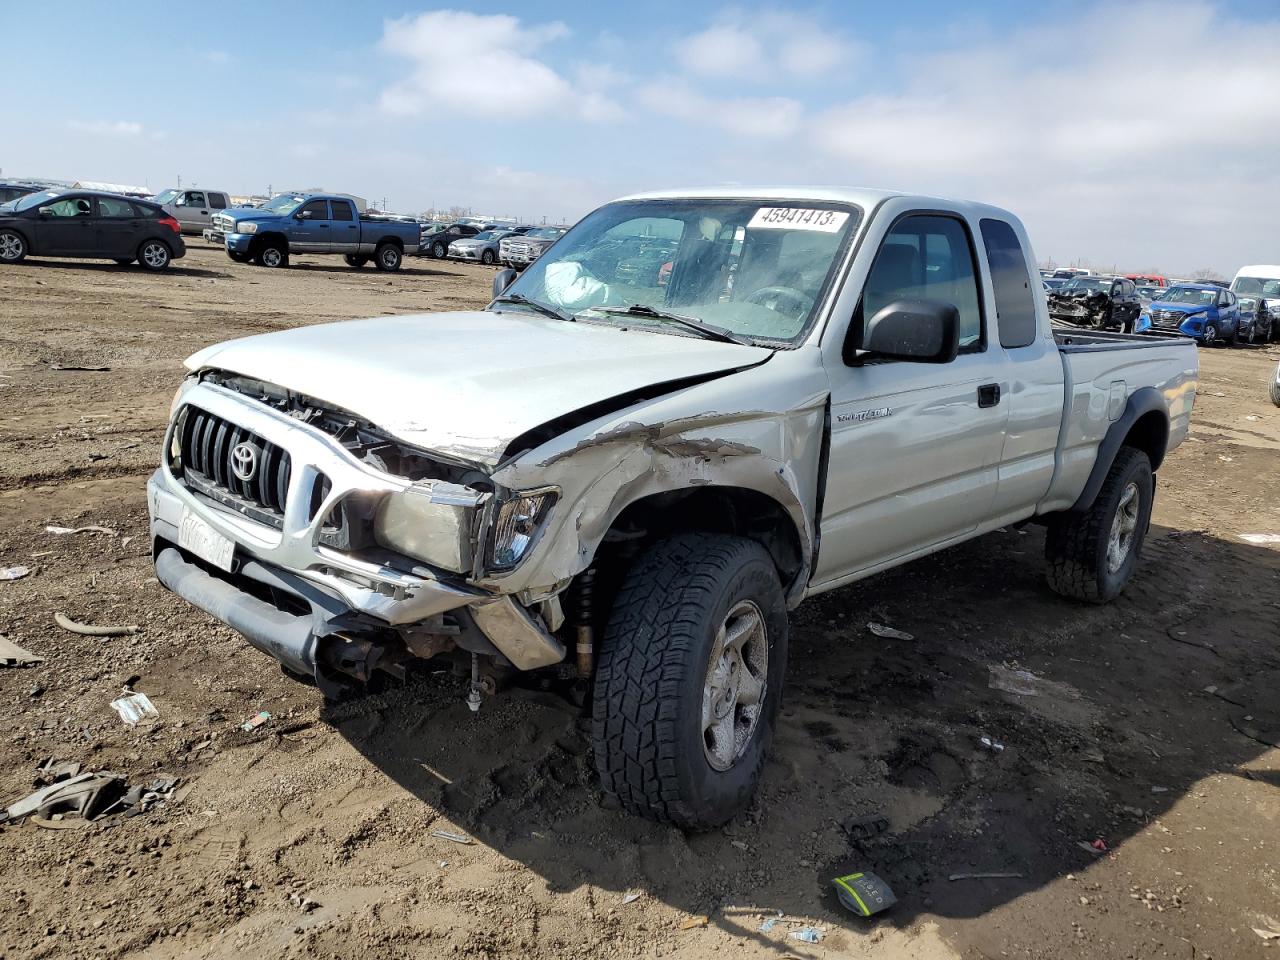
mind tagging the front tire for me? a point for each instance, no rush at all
(154, 255)
(487, 258)
(388, 257)
(439, 251)
(1210, 335)
(1091, 555)
(13, 247)
(1274, 390)
(689, 680)
(271, 254)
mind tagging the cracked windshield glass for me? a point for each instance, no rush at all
(749, 269)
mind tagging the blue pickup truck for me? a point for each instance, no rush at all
(313, 223)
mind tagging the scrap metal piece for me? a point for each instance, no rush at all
(134, 708)
(89, 795)
(12, 655)
(514, 631)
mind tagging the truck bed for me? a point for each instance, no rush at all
(1076, 339)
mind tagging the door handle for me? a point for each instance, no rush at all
(989, 395)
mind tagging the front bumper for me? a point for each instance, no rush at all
(213, 235)
(238, 242)
(464, 253)
(342, 592)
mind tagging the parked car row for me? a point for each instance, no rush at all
(1209, 311)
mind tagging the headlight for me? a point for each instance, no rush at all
(186, 384)
(247, 226)
(516, 527)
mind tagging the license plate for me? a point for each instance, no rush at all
(205, 542)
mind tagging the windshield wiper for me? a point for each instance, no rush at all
(543, 308)
(691, 323)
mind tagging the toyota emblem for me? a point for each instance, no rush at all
(244, 461)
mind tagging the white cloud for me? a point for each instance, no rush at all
(1117, 155)
(105, 128)
(216, 57)
(754, 117)
(761, 45)
(467, 63)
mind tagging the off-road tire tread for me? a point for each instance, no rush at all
(1071, 542)
(644, 656)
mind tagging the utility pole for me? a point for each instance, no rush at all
(179, 181)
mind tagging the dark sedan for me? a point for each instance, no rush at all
(12, 191)
(435, 243)
(88, 224)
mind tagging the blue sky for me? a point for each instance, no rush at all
(1139, 135)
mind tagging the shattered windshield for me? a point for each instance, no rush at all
(1190, 295)
(756, 269)
(1087, 283)
(165, 196)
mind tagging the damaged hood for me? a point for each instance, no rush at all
(467, 384)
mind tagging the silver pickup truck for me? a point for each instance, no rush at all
(697, 410)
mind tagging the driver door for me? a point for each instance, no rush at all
(312, 228)
(66, 227)
(915, 447)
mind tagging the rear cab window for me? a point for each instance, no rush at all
(1011, 283)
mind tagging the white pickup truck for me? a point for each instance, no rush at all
(697, 410)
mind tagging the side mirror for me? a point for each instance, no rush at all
(46, 212)
(503, 279)
(918, 331)
(304, 215)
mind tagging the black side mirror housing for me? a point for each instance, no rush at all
(503, 279)
(916, 331)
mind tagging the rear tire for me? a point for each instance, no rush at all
(388, 257)
(355, 261)
(1091, 555)
(689, 680)
(154, 255)
(439, 251)
(13, 247)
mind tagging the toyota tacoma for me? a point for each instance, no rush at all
(621, 481)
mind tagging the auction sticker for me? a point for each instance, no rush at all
(798, 218)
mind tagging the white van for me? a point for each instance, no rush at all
(194, 209)
(1261, 282)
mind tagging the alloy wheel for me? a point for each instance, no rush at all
(734, 689)
(1123, 527)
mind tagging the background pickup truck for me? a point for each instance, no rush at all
(822, 385)
(315, 223)
(193, 209)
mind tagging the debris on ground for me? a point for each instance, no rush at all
(79, 369)
(1267, 934)
(864, 893)
(12, 655)
(986, 876)
(888, 633)
(254, 722)
(55, 771)
(1260, 538)
(452, 837)
(865, 827)
(991, 744)
(692, 923)
(1097, 846)
(87, 795)
(134, 708)
(631, 896)
(1023, 683)
(14, 573)
(303, 902)
(93, 630)
(808, 935)
(63, 531)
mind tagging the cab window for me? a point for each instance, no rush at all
(1011, 284)
(341, 210)
(927, 257)
(193, 198)
(315, 210)
(217, 202)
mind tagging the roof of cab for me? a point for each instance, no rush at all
(865, 197)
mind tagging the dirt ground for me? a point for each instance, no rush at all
(1145, 727)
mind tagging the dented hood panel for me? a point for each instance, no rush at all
(466, 384)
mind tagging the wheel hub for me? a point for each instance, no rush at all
(735, 685)
(1123, 527)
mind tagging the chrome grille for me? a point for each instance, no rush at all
(1170, 319)
(210, 463)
